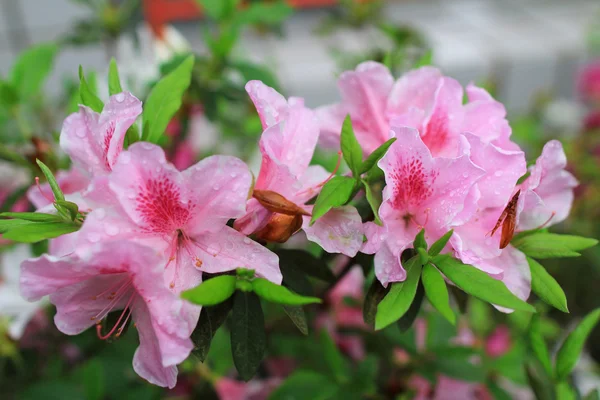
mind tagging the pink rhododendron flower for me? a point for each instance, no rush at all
(423, 99)
(287, 146)
(229, 389)
(548, 191)
(422, 192)
(499, 342)
(117, 276)
(588, 81)
(182, 214)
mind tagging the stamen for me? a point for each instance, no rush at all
(548, 221)
(126, 310)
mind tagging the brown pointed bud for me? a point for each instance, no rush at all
(276, 203)
(280, 228)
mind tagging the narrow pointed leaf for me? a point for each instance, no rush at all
(351, 149)
(552, 245)
(211, 318)
(374, 201)
(375, 156)
(67, 207)
(437, 292)
(538, 345)
(8, 224)
(298, 317)
(546, 287)
(165, 99)
(333, 358)
(280, 294)
(439, 245)
(114, 82)
(335, 193)
(87, 96)
(479, 284)
(571, 349)
(407, 320)
(420, 242)
(373, 297)
(58, 194)
(398, 300)
(212, 291)
(32, 216)
(36, 232)
(248, 339)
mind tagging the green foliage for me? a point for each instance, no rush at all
(114, 82)
(305, 385)
(164, 100)
(374, 201)
(375, 156)
(87, 95)
(420, 242)
(552, 245)
(479, 284)
(32, 68)
(279, 294)
(546, 287)
(36, 232)
(374, 295)
(538, 345)
(439, 245)
(437, 292)
(56, 191)
(248, 339)
(211, 319)
(351, 149)
(398, 300)
(213, 291)
(571, 349)
(335, 193)
(336, 365)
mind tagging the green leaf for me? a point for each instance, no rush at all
(364, 380)
(407, 320)
(539, 383)
(298, 317)
(248, 339)
(165, 99)
(335, 193)
(437, 292)
(439, 245)
(552, 245)
(307, 263)
(420, 242)
(546, 287)
(333, 358)
(87, 95)
(375, 156)
(215, 9)
(8, 95)
(460, 368)
(211, 318)
(280, 294)
(32, 68)
(398, 300)
(114, 82)
(479, 284)
(94, 384)
(480, 316)
(497, 392)
(32, 216)
(58, 194)
(373, 297)
(212, 291)
(423, 256)
(571, 349)
(264, 13)
(351, 149)
(538, 345)
(251, 71)
(305, 385)
(425, 59)
(67, 208)
(564, 391)
(36, 232)
(8, 224)
(374, 201)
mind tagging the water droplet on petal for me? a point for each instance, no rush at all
(247, 240)
(465, 175)
(111, 230)
(93, 237)
(100, 213)
(81, 133)
(216, 187)
(120, 97)
(125, 157)
(498, 173)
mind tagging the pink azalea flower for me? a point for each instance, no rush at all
(182, 214)
(93, 141)
(547, 194)
(588, 81)
(117, 276)
(287, 146)
(423, 99)
(499, 342)
(421, 192)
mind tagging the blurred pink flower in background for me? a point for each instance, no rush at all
(588, 82)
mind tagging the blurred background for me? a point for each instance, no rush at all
(538, 57)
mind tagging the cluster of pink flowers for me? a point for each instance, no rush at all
(151, 230)
(453, 166)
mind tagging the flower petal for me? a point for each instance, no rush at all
(271, 106)
(338, 231)
(228, 249)
(387, 266)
